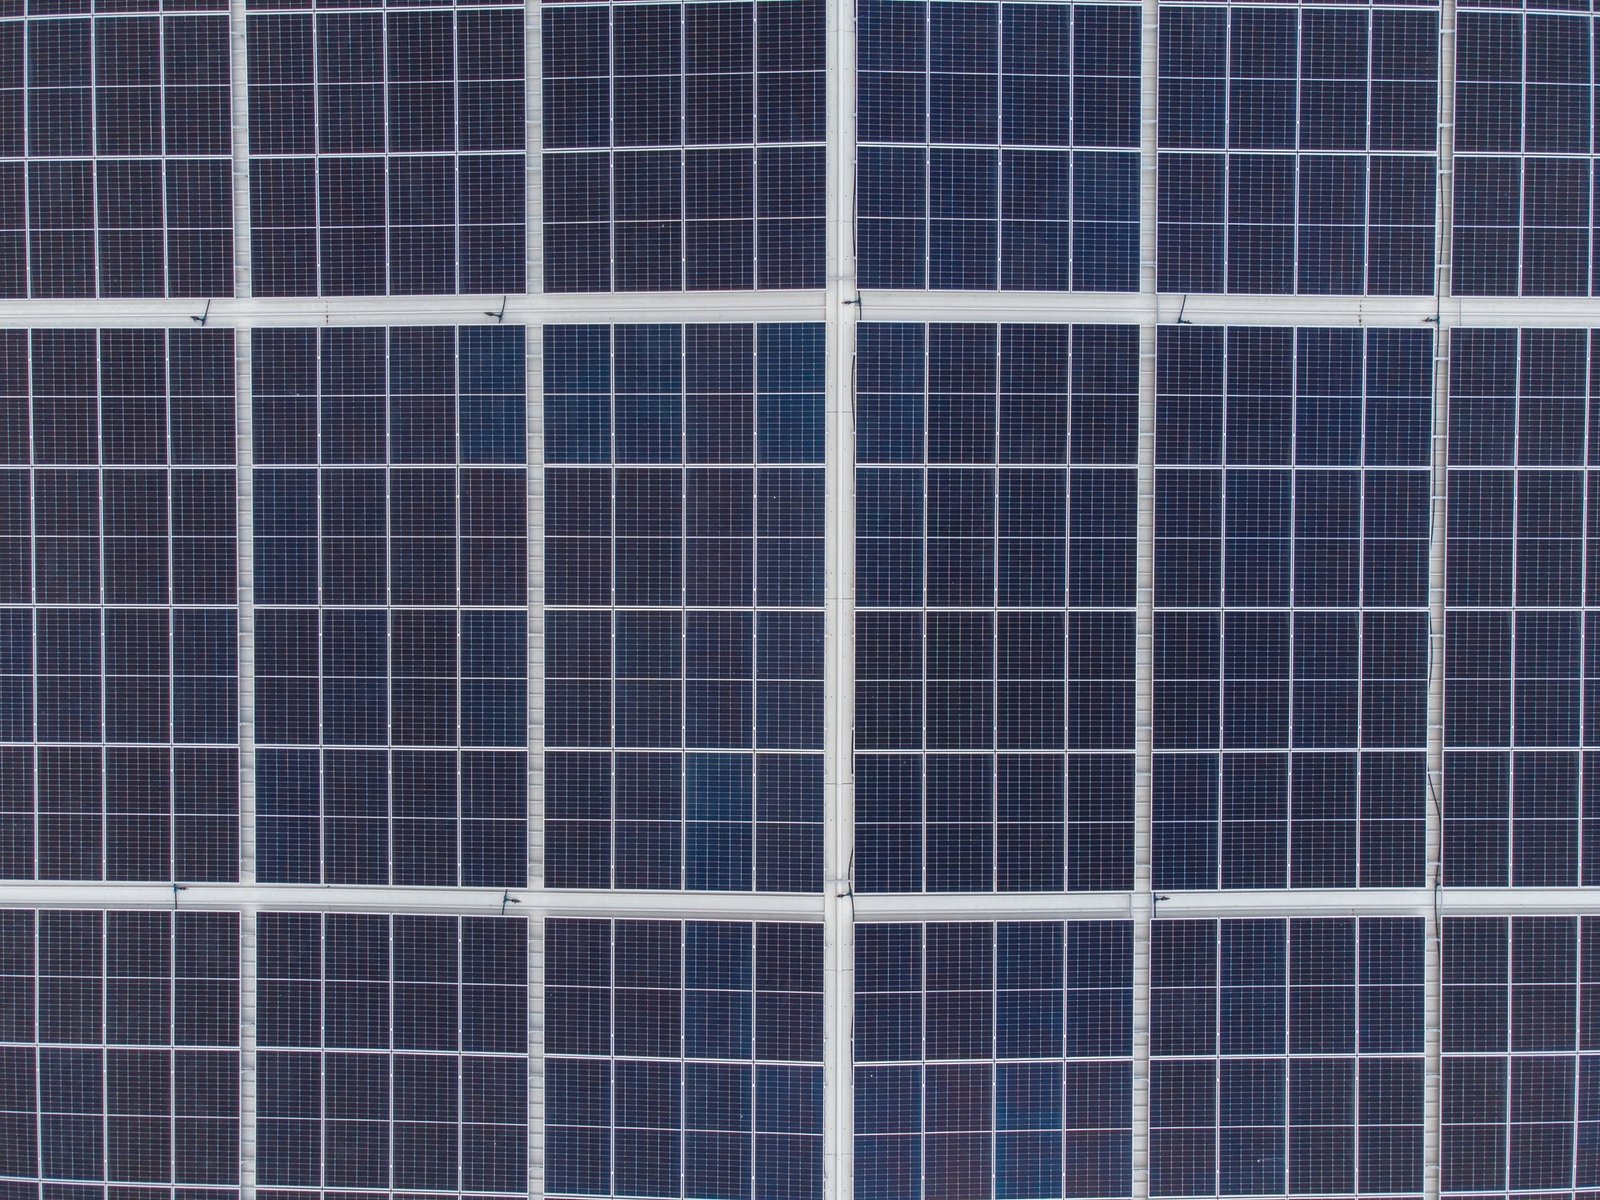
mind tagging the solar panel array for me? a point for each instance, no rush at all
(119, 1038)
(390, 534)
(995, 539)
(461, 739)
(1293, 496)
(115, 149)
(682, 1058)
(998, 145)
(386, 149)
(392, 1054)
(683, 145)
(1297, 148)
(1516, 662)
(994, 1059)
(683, 588)
(119, 674)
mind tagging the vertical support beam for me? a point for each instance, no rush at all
(843, 312)
(533, 141)
(533, 389)
(245, 551)
(247, 1052)
(239, 58)
(1142, 902)
(1444, 217)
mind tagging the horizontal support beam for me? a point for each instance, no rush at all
(1127, 308)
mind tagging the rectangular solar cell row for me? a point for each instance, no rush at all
(118, 605)
(683, 1058)
(119, 1055)
(683, 571)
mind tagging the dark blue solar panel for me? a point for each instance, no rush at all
(119, 1055)
(1297, 149)
(1286, 1056)
(683, 146)
(392, 1053)
(997, 145)
(995, 589)
(115, 151)
(684, 517)
(1516, 667)
(118, 661)
(390, 500)
(1291, 638)
(1523, 164)
(386, 151)
(683, 1059)
(1518, 1096)
(994, 1060)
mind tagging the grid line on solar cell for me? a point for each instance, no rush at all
(1520, 643)
(115, 143)
(390, 539)
(1518, 1106)
(386, 151)
(1524, 166)
(998, 145)
(391, 1054)
(1297, 148)
(683, 589)
(995, 546)
(118, 662)
(1287, 1057)
(119, 1061)
(994, 1059)
(683, 1059)
(1292, 523)
(683, 146)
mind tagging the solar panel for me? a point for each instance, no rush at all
(683, 592)
(995, 514)
(1293, 495)
(683, 145)
(392, 1053)
(1286, 1056)
(1297, 148)
(386, 149)
(682, 1058)
(390, 498)
(119, 1054)
(1517, 1099)
(994, 1059)
(115, 149)
(1515, 664)
(118, 659)
(1523, 156)
(998, 145)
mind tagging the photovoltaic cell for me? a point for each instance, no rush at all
(998, 145)
(118, 630)
(683, 145)
(1297, 148)
(391, 606)
(684, 518)
(386, 149)
(115, 149)
(683, 1059)
(1518, 1090)
(392, 1055)
(994, 1060)
(1519, 647)
(1524, 163)
(995, 514)
(119, 1054)
(1293, 492)
(1286, 1057)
